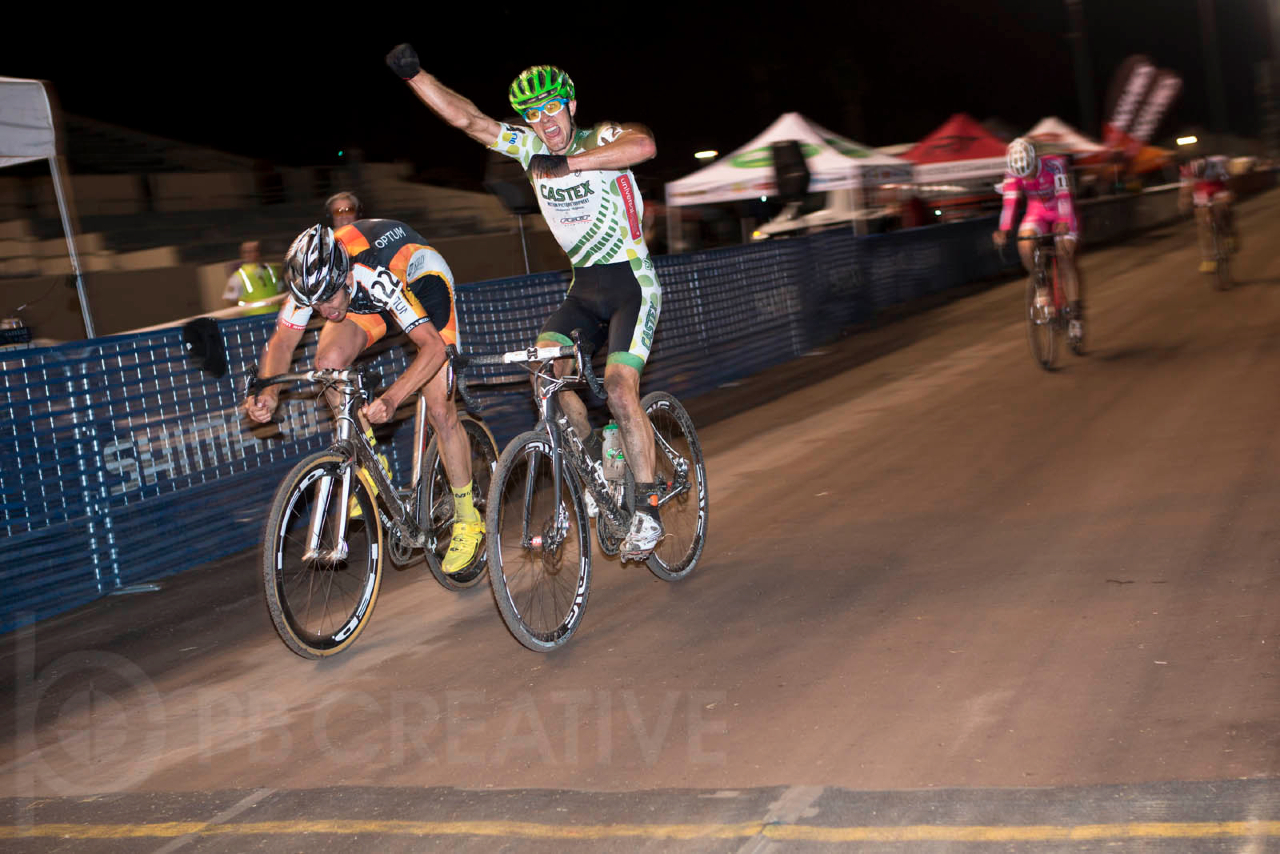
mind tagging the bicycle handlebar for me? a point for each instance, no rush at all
(363, 379)
(577, 351)
(1044, 239)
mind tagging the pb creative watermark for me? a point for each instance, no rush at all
(92, 722)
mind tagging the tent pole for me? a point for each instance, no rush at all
(55, 168)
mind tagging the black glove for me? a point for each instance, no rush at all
(403, 60)
(548, 166)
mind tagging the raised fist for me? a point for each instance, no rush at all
(403, 60)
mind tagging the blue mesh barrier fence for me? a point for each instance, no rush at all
(121, 461)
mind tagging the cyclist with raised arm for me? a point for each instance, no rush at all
(361, 278)
(1205, 182)
(588, 196)
(1046, 182)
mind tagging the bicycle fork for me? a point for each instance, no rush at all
(320, 513)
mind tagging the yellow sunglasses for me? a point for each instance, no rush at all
(550, 108)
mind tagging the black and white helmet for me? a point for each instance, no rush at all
(316, 265)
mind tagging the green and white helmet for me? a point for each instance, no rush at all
(537, 84)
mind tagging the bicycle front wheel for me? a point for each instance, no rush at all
(321, 584)
(539, 545)
(681, 474)
(1040, 329)
(435, 501)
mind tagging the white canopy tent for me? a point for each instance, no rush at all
(27, 133)
(834, 163)
(1057, 132)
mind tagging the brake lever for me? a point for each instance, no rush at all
(252, 385)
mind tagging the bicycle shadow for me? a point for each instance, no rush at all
(1137, 353)
(1247, 283)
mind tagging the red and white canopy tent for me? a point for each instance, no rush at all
(28, 132)
(961, 149)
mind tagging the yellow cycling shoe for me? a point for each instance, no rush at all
(465, 543)
(1208, 267)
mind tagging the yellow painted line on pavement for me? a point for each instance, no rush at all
(1026, 833)
(787, 832)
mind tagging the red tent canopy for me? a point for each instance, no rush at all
(959, 138)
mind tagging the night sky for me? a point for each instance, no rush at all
(297, 90)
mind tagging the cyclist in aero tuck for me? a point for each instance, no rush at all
(589, 199)
(364, 276)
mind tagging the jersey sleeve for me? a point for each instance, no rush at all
(417, 263)
(234, 289)
(293, 315)
(603, 134)
(1010, 189)
(517, 142)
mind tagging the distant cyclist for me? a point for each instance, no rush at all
(367, 275)
(1046, 182)
(1204, 180)
(588, 196)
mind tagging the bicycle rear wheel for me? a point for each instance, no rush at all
(681, 474)
(320, 594)
(539, 545)
(1040, 329)
(435, 501)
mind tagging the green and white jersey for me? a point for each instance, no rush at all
(597, 216)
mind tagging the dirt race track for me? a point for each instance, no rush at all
(948, 602)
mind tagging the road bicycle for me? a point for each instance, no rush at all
(537, 524)
(1046, 303)
(323, 544)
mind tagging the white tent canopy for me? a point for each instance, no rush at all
(27, 133)
(1057, 132)
(834, 163)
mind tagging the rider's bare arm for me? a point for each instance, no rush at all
(276, 358)
(634, 145)
(1009, 191)
(454, 108)
(425, 365)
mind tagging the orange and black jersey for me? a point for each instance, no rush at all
(386, 257)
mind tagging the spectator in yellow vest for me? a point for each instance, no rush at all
(252, 281)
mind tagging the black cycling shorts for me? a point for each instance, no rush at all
(609, 302)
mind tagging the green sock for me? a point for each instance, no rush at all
(463, 508)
